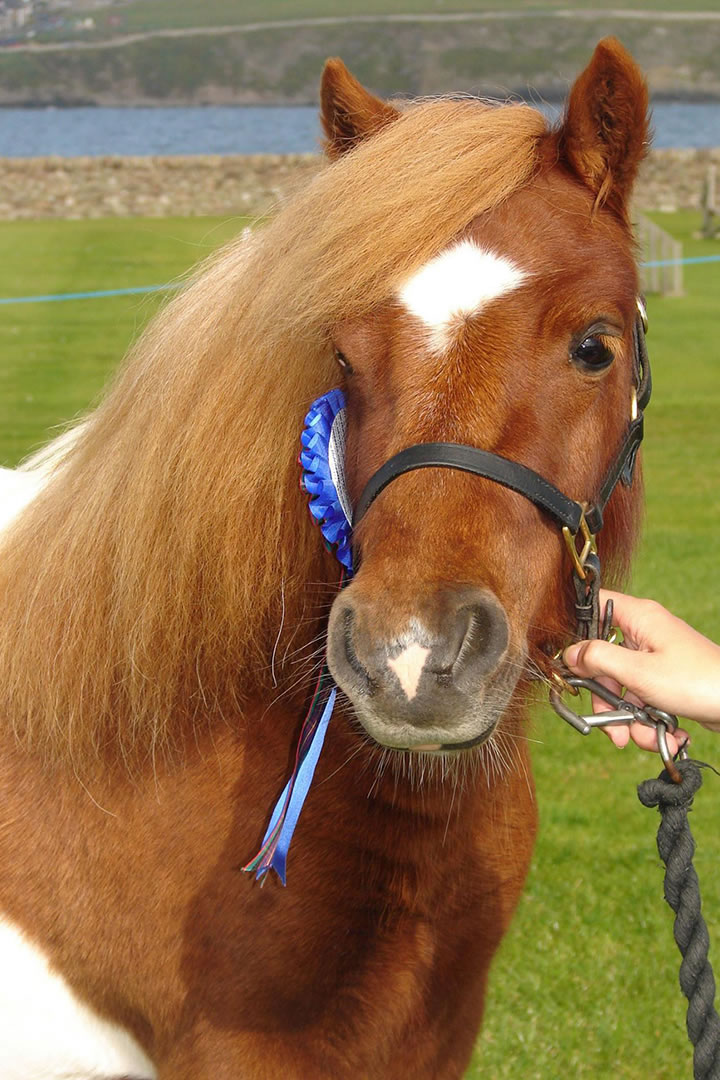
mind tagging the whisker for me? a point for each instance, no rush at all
(303, 677)
(347, 760)
(317, 648)
(450, 809)
(522, 738)
(279, 634)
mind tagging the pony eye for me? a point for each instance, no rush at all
(592, 353)
(343, 362)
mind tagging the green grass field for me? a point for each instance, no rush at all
(55, 357)
(585, 984)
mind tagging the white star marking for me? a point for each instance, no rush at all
(455, 285)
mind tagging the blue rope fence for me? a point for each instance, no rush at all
(139, 290)
(693, 260)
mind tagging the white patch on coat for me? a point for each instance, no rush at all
(455, 285)
(408, 667)
(47, 1032)
(18, 487)
(48, 458)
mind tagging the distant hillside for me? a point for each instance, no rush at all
(112, 17)
(494, 54)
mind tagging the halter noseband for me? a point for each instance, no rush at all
(574, 518)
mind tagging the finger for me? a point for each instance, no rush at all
(598, 704)
(630, 615)
(625, 609)
(599, 658)
(646, 738)
(619, 735)
(644, 623)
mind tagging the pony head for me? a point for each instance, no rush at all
(516, 337)
(471, 273)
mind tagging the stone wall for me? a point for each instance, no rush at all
(93, 187)
(674, 179)
(161, 186)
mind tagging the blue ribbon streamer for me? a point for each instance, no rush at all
(292, 799)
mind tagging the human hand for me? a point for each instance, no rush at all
(665, 663)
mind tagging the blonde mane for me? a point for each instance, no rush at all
(142, 589)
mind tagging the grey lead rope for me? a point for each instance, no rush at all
(682, 892)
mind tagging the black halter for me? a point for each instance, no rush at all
(576, 520)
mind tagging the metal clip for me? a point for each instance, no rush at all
(623, 712)
(579, 558)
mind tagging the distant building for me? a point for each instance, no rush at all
(15, 14)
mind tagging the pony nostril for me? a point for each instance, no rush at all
(351, 655)
(484, 641)
(477, 636)
(444, 676)
(471, 636)
(447, 652)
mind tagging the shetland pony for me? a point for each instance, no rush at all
(468, 274)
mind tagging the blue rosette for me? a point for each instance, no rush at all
(323, 478)
(322, 459)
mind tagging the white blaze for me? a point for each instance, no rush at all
(47, 1032)
(455, 285)
(408, 667)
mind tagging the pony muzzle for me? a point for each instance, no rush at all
(440, 683)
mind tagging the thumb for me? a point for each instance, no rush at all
(591, 659)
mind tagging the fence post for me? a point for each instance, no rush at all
(656, 245)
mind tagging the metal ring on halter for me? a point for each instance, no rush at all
(579, 558)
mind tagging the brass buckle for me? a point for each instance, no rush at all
(561, 683)
(579, 558)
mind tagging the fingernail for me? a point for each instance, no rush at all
(571, 654)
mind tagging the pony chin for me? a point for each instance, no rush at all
(403, 737)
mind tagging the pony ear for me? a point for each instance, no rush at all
(605, 131)
(349, 112)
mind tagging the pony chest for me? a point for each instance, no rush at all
(47, 1032)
